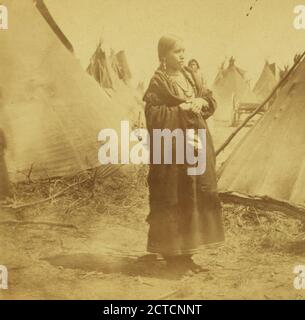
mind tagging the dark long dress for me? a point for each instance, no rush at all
(4, 181)
(185, 210)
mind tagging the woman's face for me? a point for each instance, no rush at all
(175, 57)
(194, 66)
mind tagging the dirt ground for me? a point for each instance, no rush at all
(89, 243)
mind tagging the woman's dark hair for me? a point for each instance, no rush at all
(194, 61)
(166, 43)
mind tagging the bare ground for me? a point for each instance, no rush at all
(88, 244)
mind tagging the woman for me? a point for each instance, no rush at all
(185, 210)
(195, 67)
(193, 64)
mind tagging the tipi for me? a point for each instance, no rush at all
(51, 110)
(113, 74)
(230, 83)
(52, 23)
(270, 160)
(120, 60)
(100, 69)
(267, 81)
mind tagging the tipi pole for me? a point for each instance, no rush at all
(261, 106)
(4, 179)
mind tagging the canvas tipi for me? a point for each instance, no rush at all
(120, 60)
(230, 84)
(99, 68)
(267, 81)
(51, 110)
(113, 74)
(40, 5)
(269, 163)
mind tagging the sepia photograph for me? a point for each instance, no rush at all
(152, 150)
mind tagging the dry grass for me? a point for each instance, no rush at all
(262, 230)
(110, 216)
(123, 197)
(89, 195)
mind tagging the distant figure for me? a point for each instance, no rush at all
(4, 181)
(195, 67)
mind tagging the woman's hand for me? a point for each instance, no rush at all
(205, 105)
(199, 105)
(196, 105)
(186, 106)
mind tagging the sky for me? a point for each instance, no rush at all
(213, 30)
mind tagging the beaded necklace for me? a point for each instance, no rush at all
(189, 91)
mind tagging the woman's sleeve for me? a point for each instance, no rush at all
(208, 96)
(159, 115)
(162, 116)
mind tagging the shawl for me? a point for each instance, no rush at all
(162, 91)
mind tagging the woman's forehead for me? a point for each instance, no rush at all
(179, 45)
